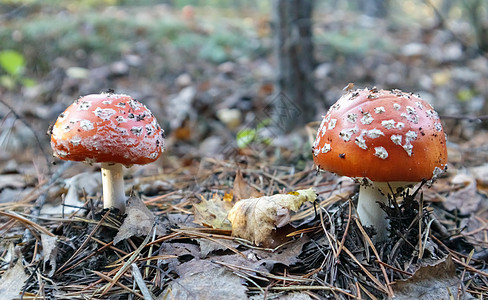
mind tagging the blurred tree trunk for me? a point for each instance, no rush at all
(294, 100)
(475, 11)
(374, 8)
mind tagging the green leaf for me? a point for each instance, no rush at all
(245, 137)
(12, 62)
(28, 82)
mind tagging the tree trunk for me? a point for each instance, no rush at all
(374, 8)
(294, 100)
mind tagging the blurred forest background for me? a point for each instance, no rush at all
(208, 69)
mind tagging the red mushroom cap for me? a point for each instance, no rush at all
(108, 128)
(382, 135)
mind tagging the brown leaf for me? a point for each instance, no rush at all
(465, 198)
(287, 255)
(201, 279)
(138, 222)
(242, 190)
(431, 282)
(255, 219)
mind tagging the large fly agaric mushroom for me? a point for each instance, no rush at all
(111, 129)
(385, 139)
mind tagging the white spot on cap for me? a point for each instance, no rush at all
(396, 139)
(120, 119)
(438, 127)
(150, 129)
(388, 124)
(360, 140)
(397, 106)
(75, 141)
(367, 118)
(326, 148)
(316, 151)
(352, 117)
(123, 131)
(374, 133)
(410, 136)
(86, 125)
(316, 142)
(84, 105)
(432, 114)
(419, 104)
(379, 109)
(408, 147)
(400, 125)
(107, 102)
(61, 153)
(411, 117)
(332, 123)
(135, 105)
(381, 152)
(437, 171)
(411, 110)
(136, 130)
(347, 133)
(104, 113)
(327, 118)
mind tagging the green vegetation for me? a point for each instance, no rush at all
(13, 65)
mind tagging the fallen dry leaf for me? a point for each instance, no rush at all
(242, 190)
(208, 246)
(287, 255)
(201, 279)
(12, 281)
(49, 251)
(432, 282)
(213, 212)
(254, 219)
(466, 198)
(138, 222)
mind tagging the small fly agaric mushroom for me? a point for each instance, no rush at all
(385, 139)
(111, 129)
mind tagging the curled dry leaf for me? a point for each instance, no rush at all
(254, 219)
(213, 212)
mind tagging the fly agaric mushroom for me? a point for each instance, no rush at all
(385, 139)
(111, 129)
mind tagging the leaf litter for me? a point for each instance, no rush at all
(180, 253)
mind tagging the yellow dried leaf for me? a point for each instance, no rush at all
(213, 212)
(228, 197)
(255, 218)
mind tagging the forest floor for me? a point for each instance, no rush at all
(209, 81)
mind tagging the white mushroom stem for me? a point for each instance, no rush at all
(113, 186)
(370, 212)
